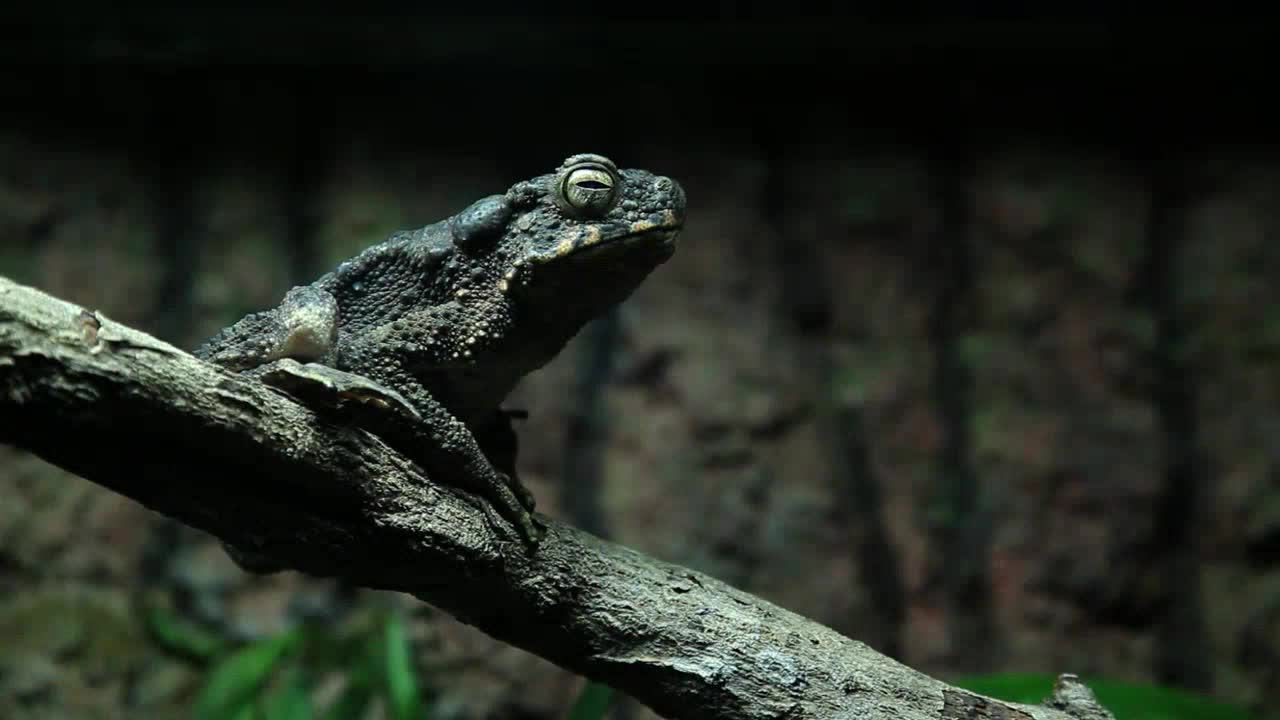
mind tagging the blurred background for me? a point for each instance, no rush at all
(969, 350)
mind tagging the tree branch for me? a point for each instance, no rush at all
(237, 459)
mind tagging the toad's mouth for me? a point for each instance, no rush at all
(658, 240)
(657, 234)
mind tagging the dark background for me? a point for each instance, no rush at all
(969, 351)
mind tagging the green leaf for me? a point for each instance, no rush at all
(363, 668)
(235, 680)
(592, 703)
(402, 685)
(1015, 687)
(1150, 702)
(1125, 700)
(182, 637)
(351, 704)
(291, 700)
(974, 349)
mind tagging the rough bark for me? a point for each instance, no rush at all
(254, 468)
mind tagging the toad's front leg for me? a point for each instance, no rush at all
(416, 424)
(450, 452)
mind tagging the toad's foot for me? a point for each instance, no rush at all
(499, 442)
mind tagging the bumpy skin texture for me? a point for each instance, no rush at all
(449, 317)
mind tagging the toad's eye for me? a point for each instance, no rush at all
(588, 189)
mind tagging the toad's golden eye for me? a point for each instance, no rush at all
(587, 189)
